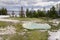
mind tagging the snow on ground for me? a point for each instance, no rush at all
(9, 20)
(54, 35)
(4, 16)
(7, 30)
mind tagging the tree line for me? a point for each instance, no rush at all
(52, 13)
(3, 11)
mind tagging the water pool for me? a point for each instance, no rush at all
(31, 25)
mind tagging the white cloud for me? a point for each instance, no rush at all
(13, 3)
(9, 1)
(44, 3)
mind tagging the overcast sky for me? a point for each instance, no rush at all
(36, 4)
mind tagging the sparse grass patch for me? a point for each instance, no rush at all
(54, 27)
(16, 37)
(32, 35)
(18, 26)
(3, 24)
(28, 19)
(37, 35)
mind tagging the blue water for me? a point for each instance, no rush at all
(36, 26)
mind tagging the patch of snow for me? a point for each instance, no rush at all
(54, 35)
(8, 30)
(4, 16)
(9, 20)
